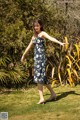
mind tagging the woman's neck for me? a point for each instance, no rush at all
(36, 33)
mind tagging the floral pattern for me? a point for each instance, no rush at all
(39, 61)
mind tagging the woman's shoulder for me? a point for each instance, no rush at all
(43, 34)
(33, 37)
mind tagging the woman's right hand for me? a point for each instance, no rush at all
(23, 59)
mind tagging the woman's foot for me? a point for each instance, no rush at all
(52, 98)
(41, 102)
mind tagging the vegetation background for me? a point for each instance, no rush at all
(60, 19)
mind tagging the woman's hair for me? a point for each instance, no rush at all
(38, 21)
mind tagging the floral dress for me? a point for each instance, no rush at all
(39, 61)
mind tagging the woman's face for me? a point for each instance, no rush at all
(37, 27)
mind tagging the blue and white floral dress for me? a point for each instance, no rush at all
(39, 61)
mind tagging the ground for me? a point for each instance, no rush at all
(21, 104)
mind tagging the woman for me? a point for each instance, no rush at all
(40, 59)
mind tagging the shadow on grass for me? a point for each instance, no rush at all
(62, 95)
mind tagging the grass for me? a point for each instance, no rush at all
(21, 104)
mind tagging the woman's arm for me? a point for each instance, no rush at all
(51, 38)
(26, 51)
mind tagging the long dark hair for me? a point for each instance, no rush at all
(40, 22)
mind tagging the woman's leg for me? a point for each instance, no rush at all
(40, 90)
(53, 94)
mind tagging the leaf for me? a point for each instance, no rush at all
(59, 76)
(75, 72)
(69, 61)
(70, 78)
(3, 76)
(47, 67)
(52, 72)
(75, 61)
(53, 83)
(66, 45)
(77, 50)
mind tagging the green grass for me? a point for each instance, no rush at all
(21, 104)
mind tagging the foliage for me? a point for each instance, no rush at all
(11, 74)
(68, 67)
(16, 24)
